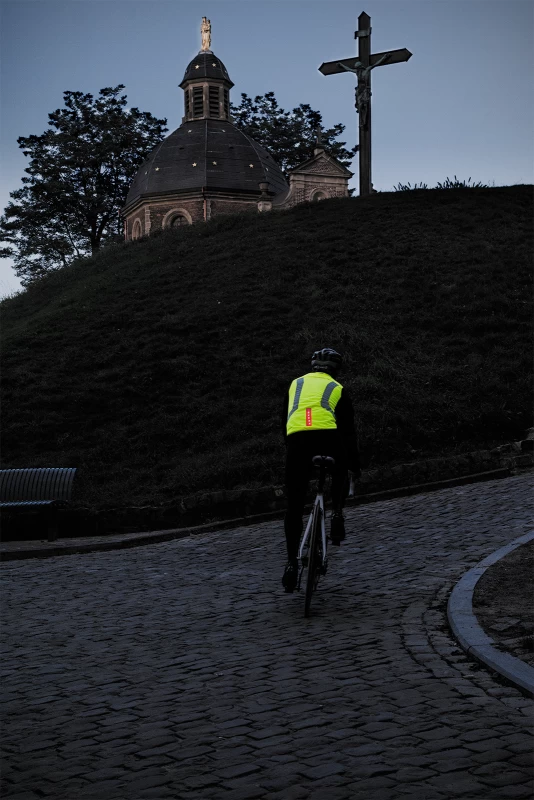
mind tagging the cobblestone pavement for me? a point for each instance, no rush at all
(181, 670)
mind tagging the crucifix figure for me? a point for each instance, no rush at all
(361, 67)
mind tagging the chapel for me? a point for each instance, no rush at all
(208, 166)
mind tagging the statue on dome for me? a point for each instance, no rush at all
(205, 30)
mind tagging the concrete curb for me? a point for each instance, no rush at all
(471, 636)
(17, 551)
(121, 541)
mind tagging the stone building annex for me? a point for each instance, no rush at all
(208, 166)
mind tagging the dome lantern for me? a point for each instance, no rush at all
(206, 83)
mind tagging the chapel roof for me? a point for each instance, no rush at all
(206, 65)
(206, 153)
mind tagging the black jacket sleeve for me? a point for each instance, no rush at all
(285, 407)
(345, 425)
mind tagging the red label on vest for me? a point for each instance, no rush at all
(308, 418)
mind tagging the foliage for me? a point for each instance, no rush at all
(79, 174)
(456, 184)
(290, 136)
(157, 367)
(407, 187)
(448, 184)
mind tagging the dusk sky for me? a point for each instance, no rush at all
(462, 105)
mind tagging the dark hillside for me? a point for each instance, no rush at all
(157, 368)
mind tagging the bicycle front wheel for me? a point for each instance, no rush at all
(314, 559)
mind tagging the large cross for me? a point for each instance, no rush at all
(362, 67)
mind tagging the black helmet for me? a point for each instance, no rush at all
(326, 360)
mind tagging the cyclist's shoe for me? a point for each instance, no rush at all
(291, 575)
(337, 528)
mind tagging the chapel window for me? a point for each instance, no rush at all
(198, 101)
(214, 101)
(177, 221)
(226, 103)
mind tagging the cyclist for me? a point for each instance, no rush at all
(318, 419)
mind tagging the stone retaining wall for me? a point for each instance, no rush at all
(233, 504)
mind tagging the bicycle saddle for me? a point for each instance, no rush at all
(326, 461)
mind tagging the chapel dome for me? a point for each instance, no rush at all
(206, 154)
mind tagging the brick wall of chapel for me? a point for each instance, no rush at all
(194, 207)
(224, 206)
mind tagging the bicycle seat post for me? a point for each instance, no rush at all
(322, 476)
(324, 463)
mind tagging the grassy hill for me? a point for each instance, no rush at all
(158, 367)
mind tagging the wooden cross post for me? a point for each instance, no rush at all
(362, 67)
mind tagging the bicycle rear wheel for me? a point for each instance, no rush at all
(314, 559)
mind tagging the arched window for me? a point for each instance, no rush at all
(318, 196)
(176, 217)
(136, 230)
(177, 221)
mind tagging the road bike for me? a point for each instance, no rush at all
(313, 551)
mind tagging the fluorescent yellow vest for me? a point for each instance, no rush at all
(312, 402)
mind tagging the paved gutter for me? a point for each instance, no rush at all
(472, 637)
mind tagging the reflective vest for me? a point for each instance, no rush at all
(312, 402)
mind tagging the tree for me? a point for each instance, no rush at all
(290, 136)
(79, 174)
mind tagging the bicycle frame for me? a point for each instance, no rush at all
(318, 507)
(318, 504)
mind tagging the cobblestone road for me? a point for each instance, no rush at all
(181, 670)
